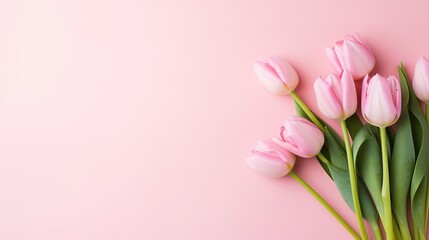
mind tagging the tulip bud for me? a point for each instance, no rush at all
(421, 79)
(336, 95)
(271, 160)
(352, 54)
(277, 75)
(301, 137)
(381, 100)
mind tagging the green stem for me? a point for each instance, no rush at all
(404, 230)
(353, 181)
(307, 111)
(377, 232)
(427, 190)
(396, 230)
(325, 204)
(416, 233)
(385, 189)
(323, 159)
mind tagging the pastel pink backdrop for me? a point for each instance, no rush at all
(132, 119)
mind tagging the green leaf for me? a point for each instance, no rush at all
(367, 156)
(391, 137)
(354, 125)
(402, 161)
(342, 181)
(341, 177)
(337, 154)
(420, 138)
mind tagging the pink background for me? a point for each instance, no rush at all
(132, 119)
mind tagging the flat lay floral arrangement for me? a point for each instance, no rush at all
(380, 162)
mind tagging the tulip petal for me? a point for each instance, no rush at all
(357, 59)
(288, 145)
(338, 51)
(285, 72)
(352, 54)
(327, 99)
(270, 79)
(421, 79)
(379, 108)
(333, 59)
(302, 137)
(395, 88)
(268, 167)
(348, 94)
(269, 147)
(365, 83)
(356, 37)
(270, 159)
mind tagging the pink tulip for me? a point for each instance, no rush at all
(271, 160)
(421, 79)
(277, 75)
(381, 100)
(301, 137)
(352, 54)
(336, 95)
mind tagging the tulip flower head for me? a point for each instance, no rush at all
(271, 160)
(336, 95)
(352, 54)
(421, 79)
(277, 75)
(301, 137)
(381, 100)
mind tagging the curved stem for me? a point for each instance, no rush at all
(325, 204)
(385, 189)
(353, 181)
(323, 159)
(307, 111)
(377, 232)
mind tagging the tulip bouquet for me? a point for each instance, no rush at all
(380, 161)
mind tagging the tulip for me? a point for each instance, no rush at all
(271, 160)
(421, 89)
(421, 79)
(381, 100)
(301, 137)
(277, 75)
(352, 54)
(381, 106)
(336, 95)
